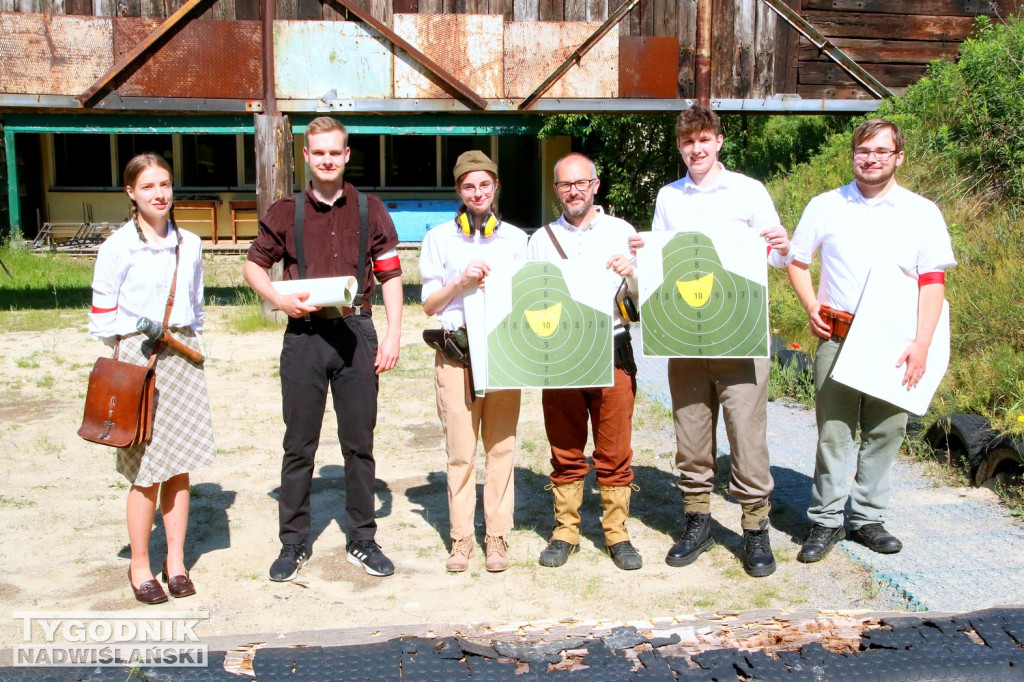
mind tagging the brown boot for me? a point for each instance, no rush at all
(497, 554)
(565, 539)
(615, 506)
(461, 551)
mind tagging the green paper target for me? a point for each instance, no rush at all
(701, 309)
(549, 339)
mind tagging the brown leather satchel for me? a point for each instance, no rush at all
(119, 400)
(119, 403)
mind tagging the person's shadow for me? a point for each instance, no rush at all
(327, 500)
(208, 527)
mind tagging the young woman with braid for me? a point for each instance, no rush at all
(136, 269)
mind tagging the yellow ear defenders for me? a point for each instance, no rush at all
(491, 224)
(627, 308)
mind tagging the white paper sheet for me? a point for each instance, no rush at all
(323, 291)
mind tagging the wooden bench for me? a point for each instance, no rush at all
(207, 208)
(243, 211)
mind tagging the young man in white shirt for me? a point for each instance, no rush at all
(853, 228)
(709, 196)
(586, 232)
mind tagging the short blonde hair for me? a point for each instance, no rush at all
(326, 124)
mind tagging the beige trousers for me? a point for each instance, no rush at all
(494, 417)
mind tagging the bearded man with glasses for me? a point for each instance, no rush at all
(869, 222)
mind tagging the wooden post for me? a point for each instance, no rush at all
(702, 78)
(275, 172)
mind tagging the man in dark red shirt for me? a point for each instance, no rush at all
(335, 347)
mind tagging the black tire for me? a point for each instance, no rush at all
(960, 440)
(1002, 463)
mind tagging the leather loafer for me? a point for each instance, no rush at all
(819, 543)
(148, 592)
(875, 537)
(179, 585)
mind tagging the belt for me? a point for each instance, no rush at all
(335, 312)
(838, 321)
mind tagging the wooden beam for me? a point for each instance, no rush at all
(576, 55)
(961, 8)
(812, 34)
(891, 26)
(453, 85)
(127, 65)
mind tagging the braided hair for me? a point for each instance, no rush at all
(132, 171)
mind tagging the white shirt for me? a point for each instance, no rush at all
(446, 252)
(595, 242)
(733, 199)
(132, 280)
(852, 234)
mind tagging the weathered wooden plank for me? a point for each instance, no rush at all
(405, 6)
(786, 45)
(468, 46)
(575, 10)
(381, 11)
(248, 9)
(882, 51)
(129, 8)
(533, 50)
(275, 175)
(56, 55)
(723, 42)
(743, 50)
(687, 47)
(899, 26)
(964, 8)
(78, 7)
(646, 8)
(430, 7)
(311, 10)
(890, 75)
(52, 7)
(838, 92)
(34, 6)
(287, 10)
(526, 10)
(108, 8)
(597, 10)
(764, 52)
(664, 18)
(313, 58)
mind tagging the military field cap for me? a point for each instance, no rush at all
(474, 160)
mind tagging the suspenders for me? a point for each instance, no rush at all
(364, 238)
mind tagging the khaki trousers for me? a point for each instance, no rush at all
(493, 416)
(740, 387)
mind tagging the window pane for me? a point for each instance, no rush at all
(363, 167)
(130, 145)
(452, 146)
(82, 160)
(249, 159)
(411, 161)
(208, 161)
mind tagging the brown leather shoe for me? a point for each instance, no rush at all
(179, 585)
(459, 559)
(148, 592)
(497, 554)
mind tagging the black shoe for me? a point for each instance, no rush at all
(288, 563)
(625, 556)
(557, 553)
(875, 537)
(366, 553)
(758, 560)
(695, 541)
(819, 542)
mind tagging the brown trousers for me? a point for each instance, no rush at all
(610, 410)
(495, 416)
(740, 387)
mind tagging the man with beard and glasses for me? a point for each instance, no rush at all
(585, 232)
(871, 221)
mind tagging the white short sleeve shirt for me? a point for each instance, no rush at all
(734, 199)
(852, 234)
(446, 252)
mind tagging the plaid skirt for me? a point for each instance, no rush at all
(182, 428)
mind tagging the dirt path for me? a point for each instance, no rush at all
(63, 540)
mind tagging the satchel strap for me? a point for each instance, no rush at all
(170, 298)
(554, 240)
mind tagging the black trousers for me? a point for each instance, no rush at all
(338, 353)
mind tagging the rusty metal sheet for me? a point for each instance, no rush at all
(331, 60)
(534, 49)
(42, 54)
(469, 46)
(648, 66)
(206, 59)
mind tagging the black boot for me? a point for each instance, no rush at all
(696, 540)
(758, 560)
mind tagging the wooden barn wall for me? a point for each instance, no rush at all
(755, 53)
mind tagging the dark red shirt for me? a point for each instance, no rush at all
(331, 237)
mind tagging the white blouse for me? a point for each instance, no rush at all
(132, 280)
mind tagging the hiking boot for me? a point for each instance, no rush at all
(286, 566)
(459, 559)
(497, 554)
(557, 553)
(366, 553)
(758, 560)
(875, 537)
(626, 556)
(819, 542)
(695, 541)
(567, 498)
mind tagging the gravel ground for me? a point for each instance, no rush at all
(961, 546)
